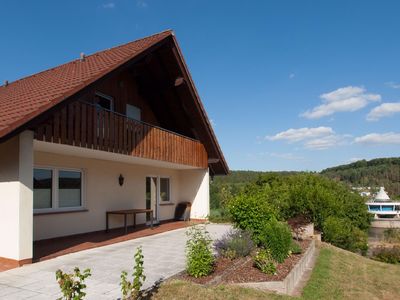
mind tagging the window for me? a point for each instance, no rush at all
(133, 112)
(103, 101)
(69, 189)
(164, 189)
(57, 189)
(42, 188)
(157, 192)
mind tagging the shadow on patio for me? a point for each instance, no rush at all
(51, 248)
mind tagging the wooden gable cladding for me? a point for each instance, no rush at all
(123, 88)
(83, 125)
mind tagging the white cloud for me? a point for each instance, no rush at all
(295, 135)
(292, 75)
(379, 139)
(323, 143)
(393, 85)
(109, 5)
(346, 99)
(317, 138)
(383, 110)
(212, 122)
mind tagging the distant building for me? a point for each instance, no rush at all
(382, 207)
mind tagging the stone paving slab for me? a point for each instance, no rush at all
(163, 258)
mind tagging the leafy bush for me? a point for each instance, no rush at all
(295, 248)
(249, 211)
(341, 233)
(236, 243)
(131, 289)
(264, 262)
(199, 255)
(72, 285)
(388, 255)
(276, 237)
(284, 196)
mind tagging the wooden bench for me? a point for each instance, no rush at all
(125, 213)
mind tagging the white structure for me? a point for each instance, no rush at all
(121, 129)
(382, 207)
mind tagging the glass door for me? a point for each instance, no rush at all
(152, 198)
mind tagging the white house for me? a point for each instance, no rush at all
(120, 129)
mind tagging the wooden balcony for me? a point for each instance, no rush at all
(83, 125)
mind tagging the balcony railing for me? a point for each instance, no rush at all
(83, 125)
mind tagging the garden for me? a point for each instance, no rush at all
(262, 247)
(240, 256)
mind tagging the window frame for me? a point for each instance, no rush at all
(136, 107)
(169, 189)
(107, 97)
(55, 190)
(159, 201)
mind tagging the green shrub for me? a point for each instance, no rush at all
(388, 255)
(316, 198)
(131, 289)
(236, 243)
(249, 211)
(295, 248)
(341, 233)
(264, 262)
(199, 255)
(72, 285)
(276, 237)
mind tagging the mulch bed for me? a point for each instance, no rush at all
(242, 270)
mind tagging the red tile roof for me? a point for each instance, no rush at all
(27, 98)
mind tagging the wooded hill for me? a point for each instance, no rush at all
(232, 184)
(374, 173)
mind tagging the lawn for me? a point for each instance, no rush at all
(338, 274)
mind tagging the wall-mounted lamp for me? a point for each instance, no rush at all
(121, 179)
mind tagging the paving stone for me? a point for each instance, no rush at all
(164, 256)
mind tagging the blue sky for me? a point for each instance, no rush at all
(289, 85)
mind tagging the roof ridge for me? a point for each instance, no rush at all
(124, 44)
(10, 83)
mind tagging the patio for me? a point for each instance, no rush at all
(51, 248)
(163, 257)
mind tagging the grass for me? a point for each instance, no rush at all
(338, 274)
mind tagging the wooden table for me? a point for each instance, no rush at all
(126, 212)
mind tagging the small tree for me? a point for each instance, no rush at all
(72, 285)
(131, 289)
(199, 255)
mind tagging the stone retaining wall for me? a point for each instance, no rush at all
(292, 279)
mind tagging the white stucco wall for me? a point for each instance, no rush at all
(195, 188)
(16, 161)
(102, 192)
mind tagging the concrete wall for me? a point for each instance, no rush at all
(102, 192)
(287, 285)
(385, 223)
(195, 188)
(16, 161)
